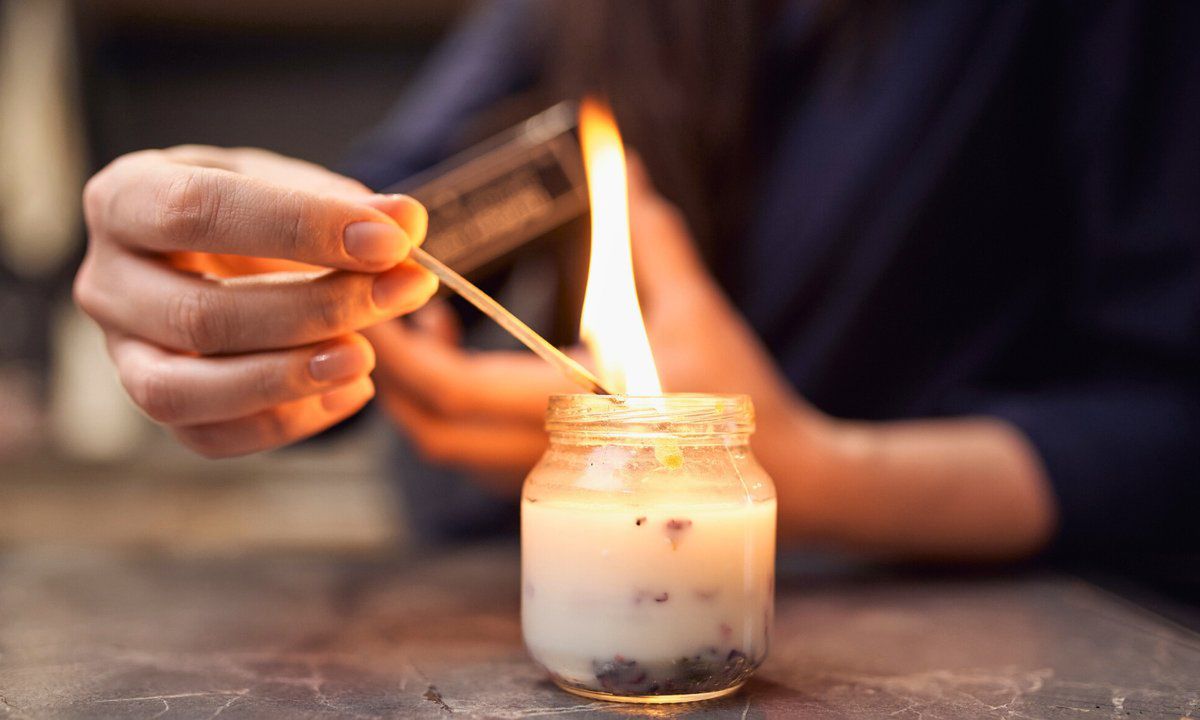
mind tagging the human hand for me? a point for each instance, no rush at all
(484, 411)
(231, 364)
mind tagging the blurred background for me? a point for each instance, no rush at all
(83, 81)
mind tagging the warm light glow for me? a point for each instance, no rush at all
(612, 326)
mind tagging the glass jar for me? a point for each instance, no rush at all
(648, 548)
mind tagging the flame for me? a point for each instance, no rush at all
(611, 325)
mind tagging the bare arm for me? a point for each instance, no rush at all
(952, 489)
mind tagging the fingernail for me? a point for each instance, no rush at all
(375, 243)
(344, 398)
(337, 363)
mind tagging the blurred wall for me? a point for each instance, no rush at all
(303, 78)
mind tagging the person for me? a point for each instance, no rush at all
(949, 249)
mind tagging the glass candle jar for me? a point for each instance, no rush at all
(648, 548)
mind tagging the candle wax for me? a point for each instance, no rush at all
(660, 597)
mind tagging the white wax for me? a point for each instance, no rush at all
(689, 578)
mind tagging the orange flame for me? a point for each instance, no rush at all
(611, 325)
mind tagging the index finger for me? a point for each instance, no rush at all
(150, 202)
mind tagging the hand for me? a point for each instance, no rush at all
(484, 410)
(230, 364)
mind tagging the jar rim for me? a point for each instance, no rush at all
(673, 414)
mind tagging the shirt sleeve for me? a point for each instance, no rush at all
(1121, 458)
(1120, 437)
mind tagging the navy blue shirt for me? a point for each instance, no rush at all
(998, 214)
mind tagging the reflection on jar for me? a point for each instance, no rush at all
(648, 541)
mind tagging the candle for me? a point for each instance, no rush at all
(647, 528)
(648, 541)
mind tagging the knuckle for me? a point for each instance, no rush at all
(424, 438)
(451, 401)
(336, 304)
(273, 427)
(298, 226)
(202, 440)
(153, 390)
(198, 322)
(95, 199)
(333, 312)
(431, 447)
(661, 217)
(189, 208)
(269, 384)
(209, 452)
(673, 217)
(195, 149)
(84, 291)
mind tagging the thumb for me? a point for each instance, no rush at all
(409, 214)
(665, 260)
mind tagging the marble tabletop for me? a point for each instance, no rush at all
(107, 634)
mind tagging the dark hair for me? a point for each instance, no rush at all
(679, 75)
(684, 78)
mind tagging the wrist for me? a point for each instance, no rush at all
(813, 459)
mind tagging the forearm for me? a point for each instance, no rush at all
(955, 489)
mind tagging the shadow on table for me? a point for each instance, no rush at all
(812, 571)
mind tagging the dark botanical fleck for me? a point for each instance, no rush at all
(642, 595)
(639, 521)
(621, 676)
(709, 669)
(676, 527)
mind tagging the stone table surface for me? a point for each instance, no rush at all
(105, 634)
